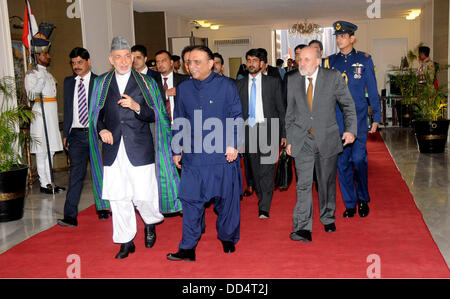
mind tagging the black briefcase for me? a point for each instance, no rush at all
(283, 175)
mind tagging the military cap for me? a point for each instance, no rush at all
(39, 43)
(343, 27)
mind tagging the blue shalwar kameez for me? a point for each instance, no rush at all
(205, 174)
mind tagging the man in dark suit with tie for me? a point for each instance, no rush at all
(262, 104)
(167, 79)
(77, 89)
(140, 59)
(313, 137)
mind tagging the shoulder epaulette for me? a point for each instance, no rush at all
(326, 63)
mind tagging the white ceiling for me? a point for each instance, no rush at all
(269, 12)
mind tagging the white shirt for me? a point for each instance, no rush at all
(122, 81)
(169, 86)
(314, 78)
(144, 71)
(259, 112)
(86, 79)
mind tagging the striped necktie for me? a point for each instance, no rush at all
(82, 105)
(167, 103)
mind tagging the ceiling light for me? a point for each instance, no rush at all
(203, 23)
(214, 27)
(305, 28)
(414, 13)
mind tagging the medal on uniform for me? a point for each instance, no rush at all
(357, 69)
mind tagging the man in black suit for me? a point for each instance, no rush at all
(218, 64)
(267, 69)
(140, 59)
(77, 89)
(262, 104)
(167, 79)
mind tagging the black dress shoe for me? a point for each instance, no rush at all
(263, 215)
(125, 249)
(248, 192)
(363, 208)
(68, 222)
(103, 214)
(182, 255)
(150, 235)
(59, 189)
(228, 247)
(301, 235)
(329, 228)
(48, 190)
(349, 213)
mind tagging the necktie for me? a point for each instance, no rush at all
(166, 87)
(82, 105)
(252, 106)
(309, 97)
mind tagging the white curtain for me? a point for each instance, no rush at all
(290, 41)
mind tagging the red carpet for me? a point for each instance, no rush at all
(394, 230)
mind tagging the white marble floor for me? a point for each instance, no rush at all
(428, 179)
(427, 176)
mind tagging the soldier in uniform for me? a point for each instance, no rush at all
(40, 82)
(358, 70)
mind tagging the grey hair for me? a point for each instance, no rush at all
(119, 43)
(315, 50)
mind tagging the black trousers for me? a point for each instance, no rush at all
(263, 180)
(79, 156)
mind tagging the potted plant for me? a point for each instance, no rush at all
(430, 124)
(407, 81)
(13, 172)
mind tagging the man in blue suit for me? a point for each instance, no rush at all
(358, 70)
(77, 89)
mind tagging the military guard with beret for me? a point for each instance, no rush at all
(358, 70)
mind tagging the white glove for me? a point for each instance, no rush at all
(34, 83)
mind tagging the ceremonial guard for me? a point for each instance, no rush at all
(41, 86)
(358, 70)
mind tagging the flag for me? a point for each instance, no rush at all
(29, 26)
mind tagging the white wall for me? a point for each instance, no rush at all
(177, 26)
(260, 37)
(101, 20)
(369, 30)
(426, 25)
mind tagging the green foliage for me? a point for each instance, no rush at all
(11, 117)
(429, 102)
(408, 83)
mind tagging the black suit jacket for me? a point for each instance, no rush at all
(273, 72)
(177, 79)
(273, 106)
(69, 91)
(123, 122)
(152, 73)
